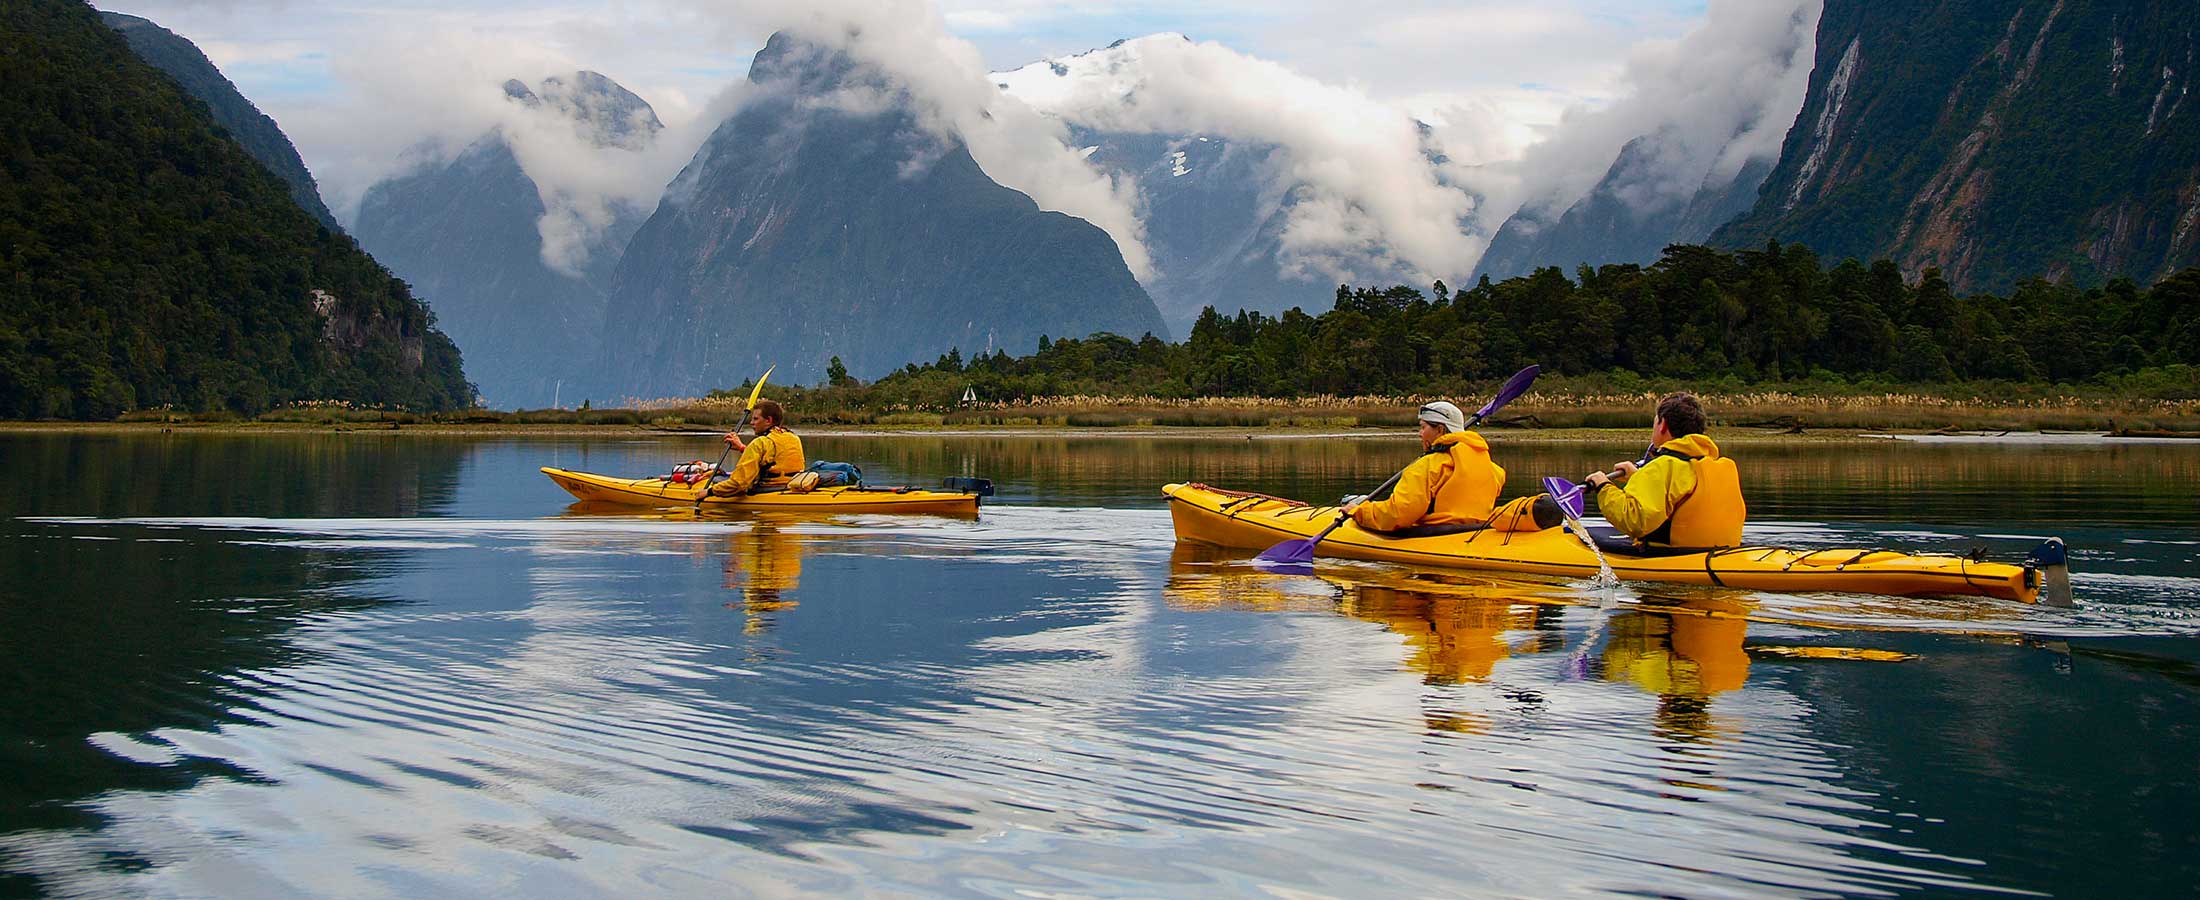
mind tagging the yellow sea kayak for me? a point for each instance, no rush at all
(658, 493)
(1253, 521)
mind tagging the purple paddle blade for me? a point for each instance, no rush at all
(1298, 551)
(1513, 388)
(1568, 494)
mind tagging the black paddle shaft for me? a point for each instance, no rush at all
(720, 468)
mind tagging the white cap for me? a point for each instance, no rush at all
(1443, 413)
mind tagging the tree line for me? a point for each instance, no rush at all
(1774, 315)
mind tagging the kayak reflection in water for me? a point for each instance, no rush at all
(1457, 627)
(762, 562)
(1453, 638)
(1685, 652)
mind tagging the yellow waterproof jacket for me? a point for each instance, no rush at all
(774, 456)
(1453, 483)
(1659, 504)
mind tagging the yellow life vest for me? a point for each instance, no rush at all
(1712, 514)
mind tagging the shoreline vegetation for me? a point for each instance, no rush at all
(1553, 412)
(1769, 338)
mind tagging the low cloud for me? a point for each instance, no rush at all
(1708, 103)
(1367, 196)
(953, 95)
(1491, 78)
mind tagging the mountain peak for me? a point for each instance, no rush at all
(809, 65)
(616, 116)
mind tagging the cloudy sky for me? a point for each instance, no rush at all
(1531, 58)
(1530, 98)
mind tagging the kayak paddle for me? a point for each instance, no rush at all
(746, 411)
(1573, 499)
(1300, 551)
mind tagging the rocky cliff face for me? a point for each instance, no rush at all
(824, 220)
(251, 129)
(1995, 141)
(468, 233)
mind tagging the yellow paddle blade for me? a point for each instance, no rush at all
(758, 391)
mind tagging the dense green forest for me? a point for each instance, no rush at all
(146, 260)
(1698, 315)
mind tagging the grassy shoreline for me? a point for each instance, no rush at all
(1539, 412)
(1729, 436)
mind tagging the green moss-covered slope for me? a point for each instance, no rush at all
(147, 259)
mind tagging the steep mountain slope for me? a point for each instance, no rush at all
(1215, 211)
(258, 134)
(824, 220)
(146, 259)
(1995, 141)
(1620, 223)
(468, 235)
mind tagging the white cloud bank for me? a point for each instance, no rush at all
(1366, 190)
(1711, 102)
(419, 100)
(407, 72)
(952, 93)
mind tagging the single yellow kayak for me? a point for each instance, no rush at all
(1254, 521)
(658, 493)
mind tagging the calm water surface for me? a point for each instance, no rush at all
(384, 665)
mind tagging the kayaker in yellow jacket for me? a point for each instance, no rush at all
(1687, 495)
(1453, 483)
(774, 456)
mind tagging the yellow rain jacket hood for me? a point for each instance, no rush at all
(1453, 483)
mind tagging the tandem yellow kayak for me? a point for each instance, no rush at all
(657, 493)
(1254, 521)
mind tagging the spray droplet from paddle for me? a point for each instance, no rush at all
(1572, 503)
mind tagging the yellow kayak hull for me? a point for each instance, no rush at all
(1231, 519)
(659, 494)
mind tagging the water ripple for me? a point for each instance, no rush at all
(1039, 701)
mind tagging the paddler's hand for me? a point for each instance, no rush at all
(1352, 503)
(733, 439)
(1626, 470)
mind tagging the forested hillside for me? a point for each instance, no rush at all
(1698, 314)
(1994, 141)
(250, 128)
(146, 259)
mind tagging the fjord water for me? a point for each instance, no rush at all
(391, 665)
